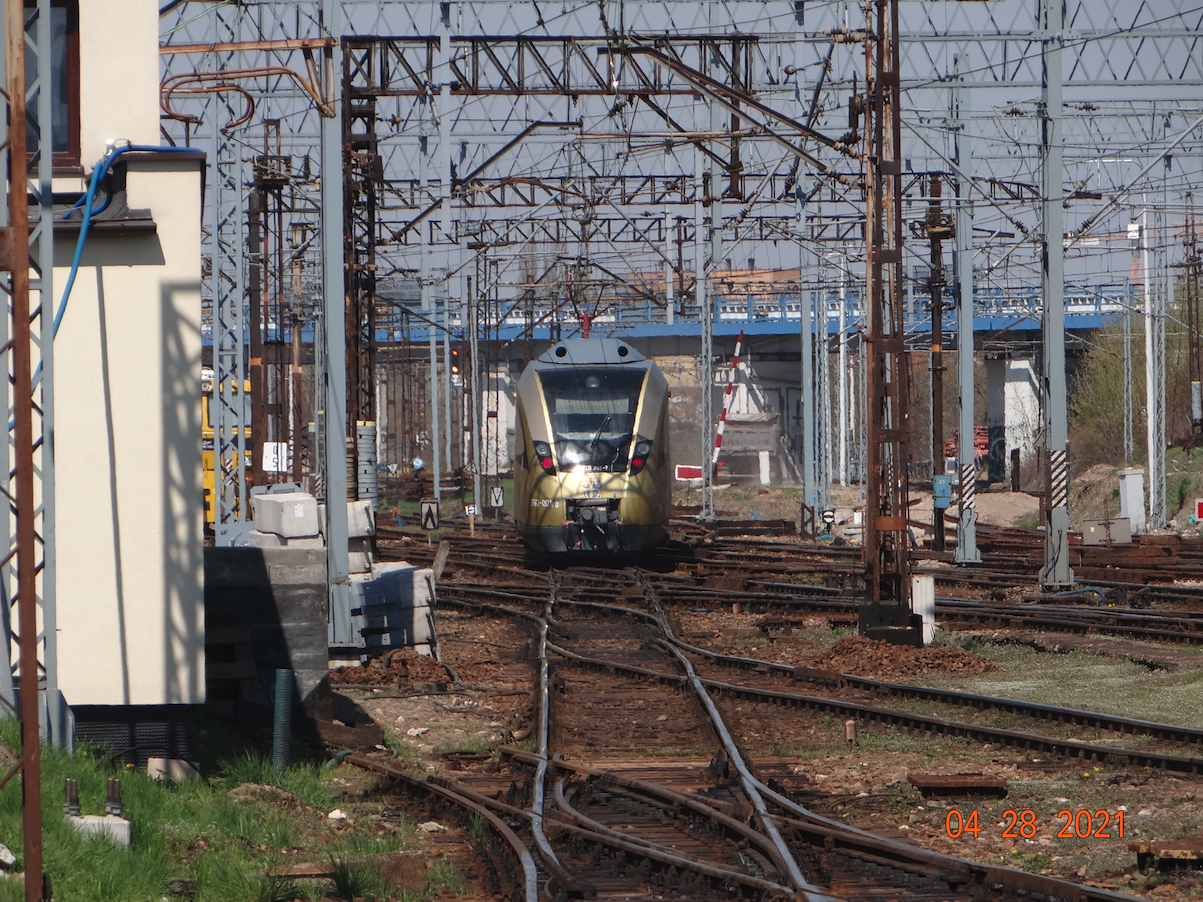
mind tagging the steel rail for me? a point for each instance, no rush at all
(529, 872)
(938, 726)
(667, 798)
(784, 857)
(1070, 748)
(1097, 719)
(659, 853)
(1020, 616)
(841, 837)
(1074, 716)
(536, 808)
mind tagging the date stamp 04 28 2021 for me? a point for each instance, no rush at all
(1079, 824)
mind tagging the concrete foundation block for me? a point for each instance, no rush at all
(305, 542)
(923, 603)
(359, 562)
(360, 521)
(288, 514)
(1132, 498)
(393, 607)
(260, 539)
(175, 769)
(117, 829)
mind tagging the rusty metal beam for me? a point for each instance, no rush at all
(23, 447)
(247, 46)
(887, 564)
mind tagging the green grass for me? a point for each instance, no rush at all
(189, 840)
(1084, 680)
(473, 744)
(450, 506)
(302, 780)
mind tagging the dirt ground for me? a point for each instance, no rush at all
(429, 718)
(731, 502)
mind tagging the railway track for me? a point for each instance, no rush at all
(668, 804)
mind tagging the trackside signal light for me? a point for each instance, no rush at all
(543, 453)
(455, 361)
(639, 458)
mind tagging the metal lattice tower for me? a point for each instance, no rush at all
(27, 574)
(230, 412)
(887, 562)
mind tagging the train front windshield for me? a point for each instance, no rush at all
(592, 415)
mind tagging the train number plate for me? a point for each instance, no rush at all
(544, 502)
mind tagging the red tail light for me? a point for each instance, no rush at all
(543, 455)
(640, 455)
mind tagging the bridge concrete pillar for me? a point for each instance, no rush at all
(996, 418)
(1012, 411)
(1022, 400)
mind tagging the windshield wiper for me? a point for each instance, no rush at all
(600, 430)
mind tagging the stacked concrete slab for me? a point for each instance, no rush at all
(393, 606)
(361, 530)
(285, 520)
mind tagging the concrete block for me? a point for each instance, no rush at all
(360, 521)
(261, 539)
(117, 829)
(174, 769)
(287, 514)
(1103, 532)
(359, 562)
(305, 542)
(413, 584)
(393, 607)
(1132, 498)
(923, 603)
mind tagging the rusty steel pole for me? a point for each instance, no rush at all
(938, 229)
(1194, 355)
(27, 614)
(886, 552)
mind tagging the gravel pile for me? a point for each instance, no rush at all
(868, 657)
(396, 668)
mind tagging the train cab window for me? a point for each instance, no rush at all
(592, 415)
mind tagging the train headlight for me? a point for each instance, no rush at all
(543, 453)
(639, 457)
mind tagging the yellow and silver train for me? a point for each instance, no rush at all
(592, 471)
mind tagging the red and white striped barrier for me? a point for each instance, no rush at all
(722, 419)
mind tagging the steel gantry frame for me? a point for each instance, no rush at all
(464, 77)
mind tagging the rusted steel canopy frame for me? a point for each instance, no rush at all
(475, 173)
(887, 564)
(730, 98)
(237, 46)
(525, 64)
(17, 262)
